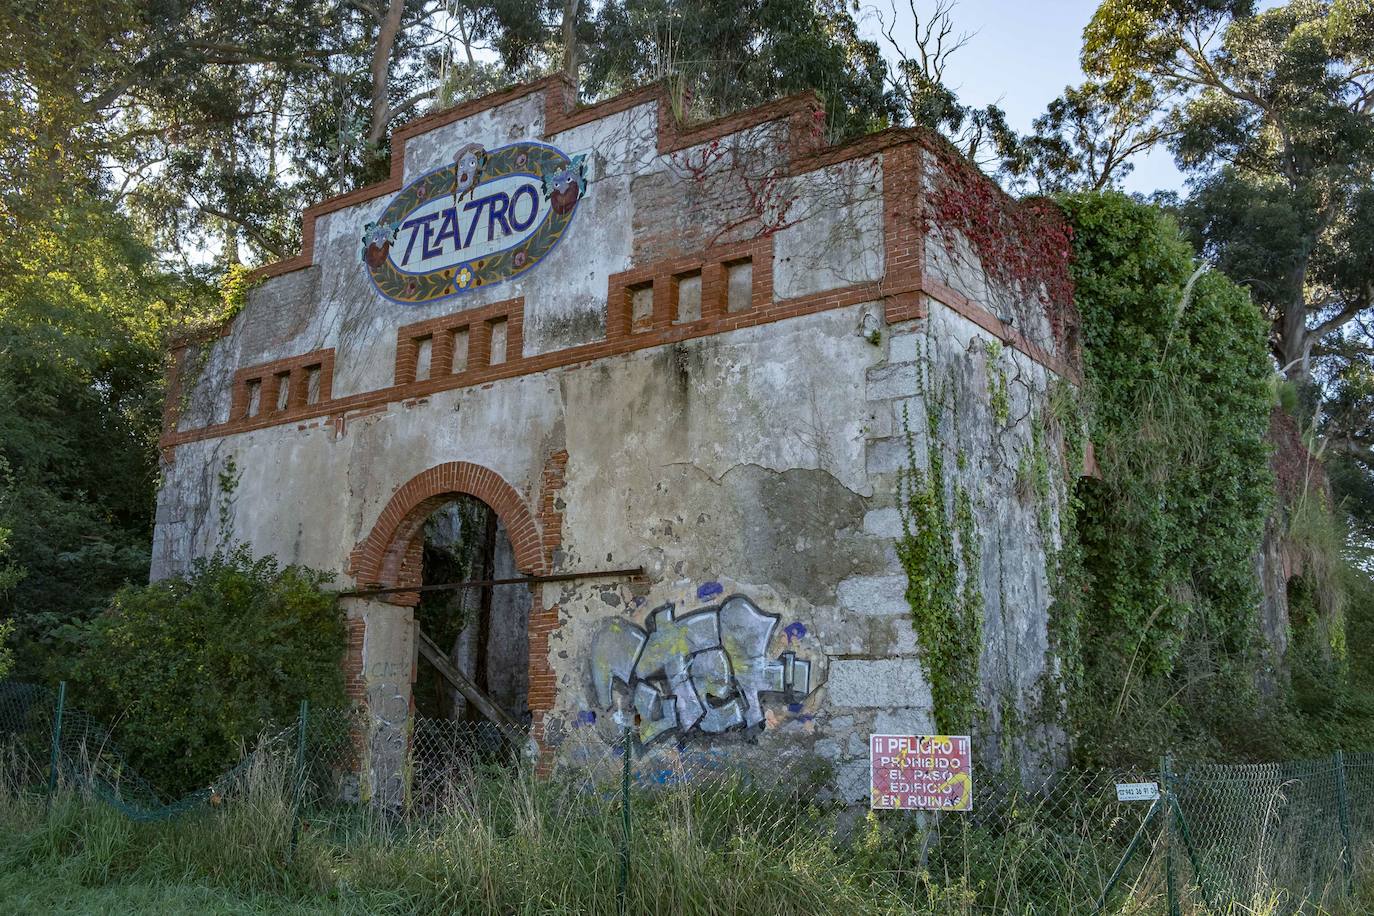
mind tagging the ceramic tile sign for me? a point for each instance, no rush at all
(923, 772)
(486, 217)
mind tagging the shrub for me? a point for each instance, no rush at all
(1177, 376)
(6, 654)
(193, 669)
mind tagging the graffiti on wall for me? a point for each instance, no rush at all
(704, 670)
(486, 217)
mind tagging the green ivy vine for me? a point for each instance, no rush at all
(941, 554)
(1149, 563)
(238, 281)
(1065, 421)
(228, 482)
(234, 286)
(999, 390)
(1152, 569)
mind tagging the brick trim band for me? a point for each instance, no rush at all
(561, 113)
(903, 290)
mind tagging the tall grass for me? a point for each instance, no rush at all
(497, 840)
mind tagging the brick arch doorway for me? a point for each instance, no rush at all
(390, 556)
(393, 554)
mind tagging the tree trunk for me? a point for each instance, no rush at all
(387, 30)
(230, 229)
(1293, 348)
(570, 54)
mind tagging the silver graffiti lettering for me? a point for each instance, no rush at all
(703, 670)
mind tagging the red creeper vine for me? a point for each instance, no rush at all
(1025, 245)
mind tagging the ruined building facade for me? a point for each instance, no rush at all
(695, 351)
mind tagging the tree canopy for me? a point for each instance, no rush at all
(1272, 114)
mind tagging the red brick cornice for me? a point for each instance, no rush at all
(902, 292)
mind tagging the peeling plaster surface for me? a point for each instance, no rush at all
(759, 464)
(824, 250)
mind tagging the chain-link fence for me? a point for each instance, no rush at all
(1264, 838)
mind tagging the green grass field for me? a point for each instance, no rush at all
(37, 892)
(513, 844)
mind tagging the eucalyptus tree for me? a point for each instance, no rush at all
(720, 56)
(1271, 113)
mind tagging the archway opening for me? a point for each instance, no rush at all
(482, 628)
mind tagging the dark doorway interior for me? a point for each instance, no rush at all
(484, 629)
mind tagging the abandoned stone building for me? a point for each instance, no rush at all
(671, 377)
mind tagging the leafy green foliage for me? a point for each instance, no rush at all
(1178, 379)
(83, 309)
(916, 83)
(1357, 703)
(9, 574)
(193, 669)
(721, 57)
(1330, 601)
(1345, 427)
(998, 389)
(1273, 114)
(1086, 138)
(6, 653)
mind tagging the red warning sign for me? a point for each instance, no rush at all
(925, 772)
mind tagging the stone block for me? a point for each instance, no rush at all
(852, 780)
(891, 382)
(908, 721)
(874, 595)
(876, 683)
(856, 746)
(878, 424)
(910, 414)
(904, 638)
(903, 348)
(884, 523)
(886, 456)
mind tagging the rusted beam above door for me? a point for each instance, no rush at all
(636, 572)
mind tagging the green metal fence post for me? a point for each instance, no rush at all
(1167, 791)
(1343, 807)
(299, 775)
(623, 890)
(1126, 858)
(55, 756)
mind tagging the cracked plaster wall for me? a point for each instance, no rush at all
(763, 460)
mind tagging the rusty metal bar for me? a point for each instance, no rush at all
(633, 573)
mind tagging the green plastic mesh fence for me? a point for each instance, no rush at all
(1274, 838)
(1263, 830)
(87, 757)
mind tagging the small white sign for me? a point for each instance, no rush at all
(1137, 791)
